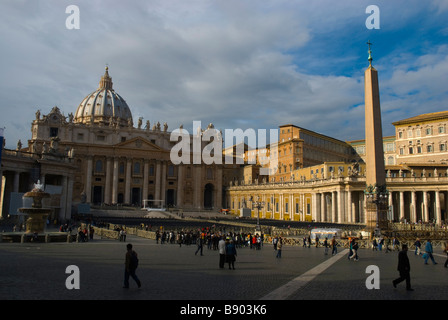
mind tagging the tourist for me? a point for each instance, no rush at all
(230, 253)
(222, 252)
(326, 246)
(418, 246)
(428, 252)
(404, 268)
(374, 245)
(334, 246)
(200, 243)
(275, 242)
(131, 264)
(354, 247)
(279, 247)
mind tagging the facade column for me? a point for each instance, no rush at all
(314, 206)
(425, 207)
(341, 213)
(438, 210)
(63, 200)
(107, 192)
(68, 202)
(218, 179)
(323, 207)
(413, 217)
(390, 207)
(281, 206)
(349, 207)
(197, 187)
(401, 205)
(145, 180)
(15, 187)
(163, 183)
(291, 206)
(180, 186)
(333, 206)
(157, 187)
(115, 182)
(88, 188)
(127, 185)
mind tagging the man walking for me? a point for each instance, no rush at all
(131, 264)
(404, 268)
(428, 252)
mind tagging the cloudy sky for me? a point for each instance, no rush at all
(235, 63)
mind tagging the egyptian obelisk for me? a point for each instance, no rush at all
(376, 193)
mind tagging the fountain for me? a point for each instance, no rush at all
(37, 216)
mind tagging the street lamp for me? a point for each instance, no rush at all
(258, 205)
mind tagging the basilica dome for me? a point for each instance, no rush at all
(104, 106)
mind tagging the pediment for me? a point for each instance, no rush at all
(138, 143)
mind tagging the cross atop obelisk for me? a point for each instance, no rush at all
(370, 53)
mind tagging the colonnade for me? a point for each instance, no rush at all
(341, 202)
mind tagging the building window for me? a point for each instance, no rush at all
(400, 134)
(170, 171)
(441, 129)
(137, 168)
(429, 148)
(428, 131)
(151, 170)
(99, 166)
(419, 149)
(442, 147)
(411, 150)
(54, 132)
(80, 136)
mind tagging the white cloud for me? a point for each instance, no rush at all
(234, 63)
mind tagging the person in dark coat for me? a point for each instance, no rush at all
(230, 253)
(404, 268)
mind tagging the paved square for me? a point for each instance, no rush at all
(170, 272)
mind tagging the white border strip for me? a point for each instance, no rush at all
(292, 286)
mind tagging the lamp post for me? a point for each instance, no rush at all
(258, 205)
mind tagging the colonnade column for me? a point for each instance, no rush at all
(438, 210)
(401, 205)
(323, 208)
(349, 207)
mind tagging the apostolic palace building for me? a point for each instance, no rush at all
(99, 154)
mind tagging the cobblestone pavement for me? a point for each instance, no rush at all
(170, 272)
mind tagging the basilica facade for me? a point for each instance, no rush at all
(115, 162)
